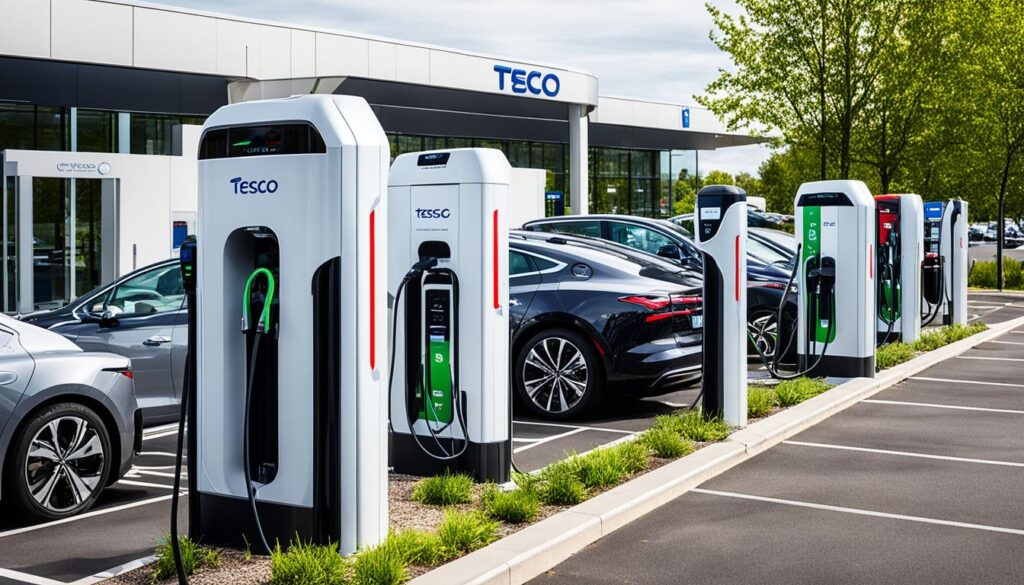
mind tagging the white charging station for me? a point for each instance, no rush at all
(292, 249)
(721, 225)
(953, 248)
(900, 253)
(448, 281)
(835, 230)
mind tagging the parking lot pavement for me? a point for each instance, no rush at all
(133, 513)
(919, 484)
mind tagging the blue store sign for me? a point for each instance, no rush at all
(527, 81)
(686, 117)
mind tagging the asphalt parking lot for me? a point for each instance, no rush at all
(133, 513)
(919, 484)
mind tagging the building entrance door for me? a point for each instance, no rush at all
(61, 241)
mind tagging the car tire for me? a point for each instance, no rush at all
(558, 375)
(60, 461)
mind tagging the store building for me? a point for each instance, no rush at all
(124, 78)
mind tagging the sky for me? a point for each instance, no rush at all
(653, 49)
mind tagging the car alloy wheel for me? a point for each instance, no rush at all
(764, 333)
(65, 464)
(555, 374)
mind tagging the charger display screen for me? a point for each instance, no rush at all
(437, 407)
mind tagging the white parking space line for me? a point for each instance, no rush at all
(906, 454)
(949, 406)
(111, 573)
(1006, 342)
(986, 358)
(28, 578)
(144, 471)
(561, 426)
(159, 435)
(860, 512)
(976, 382)
(144, 484)
(547, 440)
(110, 510)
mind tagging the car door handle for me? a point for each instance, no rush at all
(157, 340)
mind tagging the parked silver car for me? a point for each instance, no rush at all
(142, 316)
(69, 422)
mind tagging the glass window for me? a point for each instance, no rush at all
(590, 228)
(433, 143)
(519, 154)
(17, 126)
(153, 133)
(638, 237)
(97, 131)
(52, 132)
(409, 144)
(460, 143)
(156, 291)
(519, 263)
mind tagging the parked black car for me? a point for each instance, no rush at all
(589, 319)
(595, 319)
(767, 274)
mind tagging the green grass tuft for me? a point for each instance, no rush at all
(760, 401)
(384, 564)
(665, 443)
(892, 354)
(937, 338)
(790, 392)
(695, 427)
(418, 547)
(444, 490)
(513, 506)
(308, 564)
(560, 486)
(599, 468)
(193, 556)
(463, 532)
(633, 455)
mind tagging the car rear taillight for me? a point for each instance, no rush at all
(663, 307)
(777, 285)
(126, 372)
(652, 302)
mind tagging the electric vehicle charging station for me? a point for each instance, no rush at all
(953, 247)
(721, 220)
(899, 254)
(450, 402)
(835, 230)
(290, 408)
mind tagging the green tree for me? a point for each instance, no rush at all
(749, 183)
(717, 178)
(805, 68)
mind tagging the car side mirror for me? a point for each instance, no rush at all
(105, 318)
(670, 251)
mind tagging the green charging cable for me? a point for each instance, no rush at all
(263, 323)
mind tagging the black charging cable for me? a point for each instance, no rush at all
(186, 390)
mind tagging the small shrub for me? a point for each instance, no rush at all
(697, 428)
(561, 486)
(670, 422)
(527, 481)
(1013, 274)
(892, 354)
(633, 456)
(599, 468)
(444, 490)
(513, 506)
(463, 532)
(790, 392)
(760, 401)
(307, 563)
(418, 547)
(666, 444)
(931, 340)
(383, 564)
(193, 556)
(983, 275)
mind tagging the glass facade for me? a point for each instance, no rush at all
(152, 133)
(629, 181)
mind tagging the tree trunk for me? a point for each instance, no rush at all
(1000, 229)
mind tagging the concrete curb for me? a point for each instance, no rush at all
(526, 554)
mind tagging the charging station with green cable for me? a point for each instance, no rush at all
(288, 416)
(450, 399)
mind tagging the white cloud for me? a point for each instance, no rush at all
(656, 49)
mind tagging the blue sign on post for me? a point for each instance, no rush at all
(686, 117)
(933, 210)
(555, 202)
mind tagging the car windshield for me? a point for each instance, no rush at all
(766, 254)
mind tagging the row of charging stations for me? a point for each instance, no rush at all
(307, 249)
(868, 271)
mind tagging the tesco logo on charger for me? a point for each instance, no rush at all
(254, 187)
(523, 81)
(433, 213)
